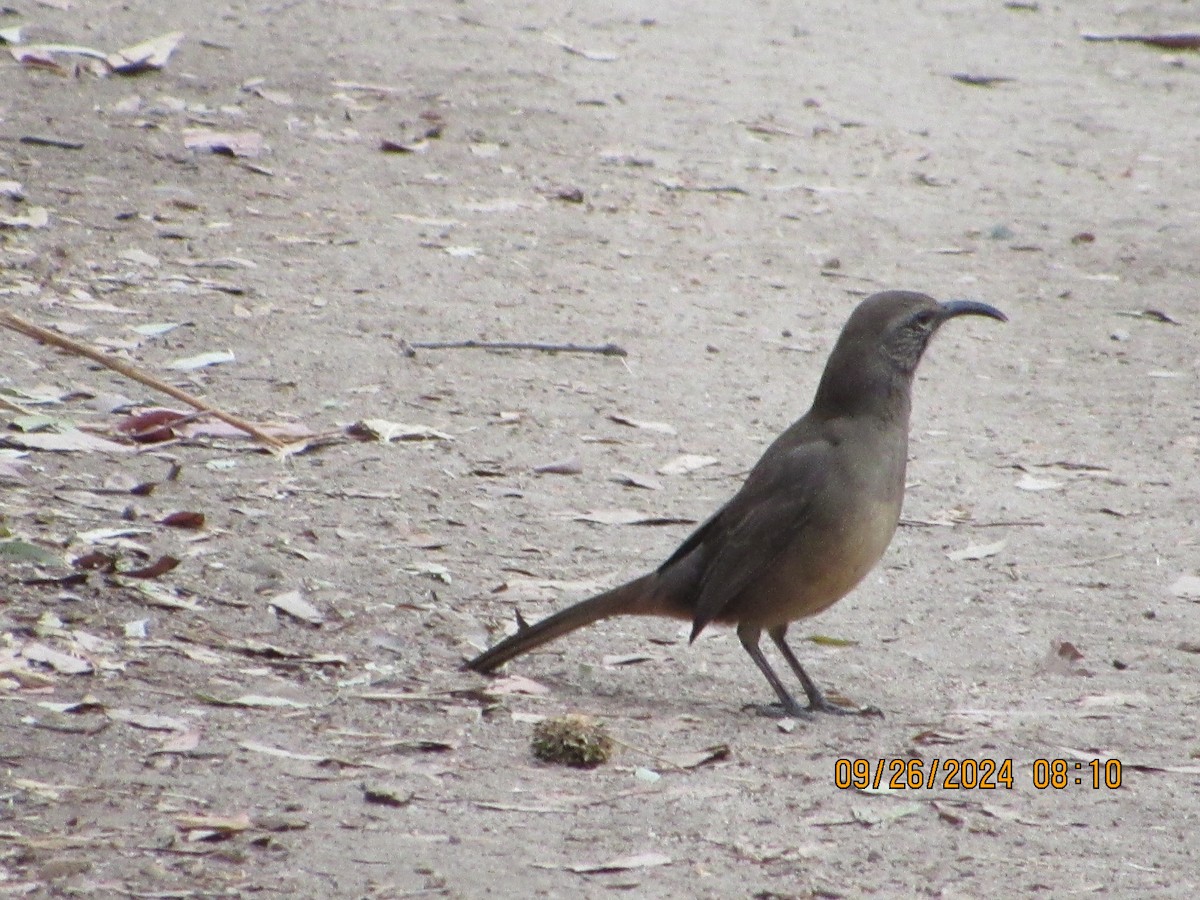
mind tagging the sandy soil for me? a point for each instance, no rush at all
(711, 186)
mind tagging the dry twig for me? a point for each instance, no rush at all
(602, 349)
(8, 320)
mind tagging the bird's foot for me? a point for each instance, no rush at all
(825, 706)
(779, 710)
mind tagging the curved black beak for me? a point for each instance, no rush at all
(952, 308)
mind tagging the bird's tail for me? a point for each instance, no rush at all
(637, 597)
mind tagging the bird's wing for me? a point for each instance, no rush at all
(745, 539)
(765, 478)
(696, 538)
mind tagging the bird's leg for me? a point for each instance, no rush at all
(749, 636)
(816, 699)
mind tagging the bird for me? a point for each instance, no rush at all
(813, 516)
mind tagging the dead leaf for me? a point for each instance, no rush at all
(1157, 315)
(69, 49)
(60, 662)
(385, 432)
(622, 864)
(256, 701)
(268, 750)
(880, 814)
(694, 758)
(285, 431)
(65, 440)
(11, 464)
(35, 217)
(160, 566)
(152, 426)
(931, 738)
(179, 742)
(1084, 755)
(148, 721)
(389, 146)
(1180, 41)
(42, 788)
(980, 80)
(37, 58)
(1151, 767)
(155, 329)
(593, 55)
(96, 561)
(202, 360)
(223, 824)
(1032, 483)
(137, 629)
(183, 519)
(1063, 659)
(947, 813)
(141, 257)
(297, 607)
(660, 427)
(570, 466)
(632, 479)
(523, 808)
(148, 55)
(515, 684)
(386, 794)
(487, 150)
(242, 144)
(430, 570)
(251, 647)
(23, 551)
(279, 98)
(977, 551)
(156, 595)
(823, 640)
(1186, 586)
(1108, 701)
(629, 517)
(109, 535)
(627, 659)
(686, 462)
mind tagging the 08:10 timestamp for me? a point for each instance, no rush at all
(1061, 773)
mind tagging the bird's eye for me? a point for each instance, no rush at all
(924, 318)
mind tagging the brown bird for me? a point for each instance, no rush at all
(813, 516)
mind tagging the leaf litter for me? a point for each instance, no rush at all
(294, 604)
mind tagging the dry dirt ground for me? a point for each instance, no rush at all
(711, 186)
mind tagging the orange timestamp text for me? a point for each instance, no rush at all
(967, 774)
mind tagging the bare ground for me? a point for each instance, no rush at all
(712, 187)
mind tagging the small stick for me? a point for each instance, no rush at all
(602, 349)
(1078, 564)
(947, 523)
(1184, 41)
(644, 752)
(14, 407)
(8, 320)
(61, 143)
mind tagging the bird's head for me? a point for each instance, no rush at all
(900, 323)
(883, 341)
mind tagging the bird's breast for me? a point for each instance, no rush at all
(842, 535)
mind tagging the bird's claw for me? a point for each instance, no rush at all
(837, 709)
(778, 710)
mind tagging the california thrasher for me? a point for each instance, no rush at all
(813, 516)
